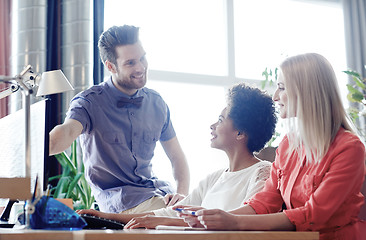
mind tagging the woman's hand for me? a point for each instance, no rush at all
(171, 199)
(217, 219)
(148, 221)
(210, 218)
(190, 219)
(91, 212)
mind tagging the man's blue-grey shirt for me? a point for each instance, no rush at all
(118, 144)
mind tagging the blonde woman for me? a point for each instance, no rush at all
(319, 167)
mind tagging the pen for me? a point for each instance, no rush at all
(185, 211)
(48, 191)
(35, 189)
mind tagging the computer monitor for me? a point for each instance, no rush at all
(12, 144)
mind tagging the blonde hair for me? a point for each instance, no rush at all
(314, 98)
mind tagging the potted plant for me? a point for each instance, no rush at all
(356, 94)
(269, 151)
(270, 77)
(72, 183)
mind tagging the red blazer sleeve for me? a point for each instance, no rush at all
(337, 199)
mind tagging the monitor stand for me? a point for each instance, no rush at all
(4, 219)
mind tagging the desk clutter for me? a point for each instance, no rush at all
(94, 222)
(51, 214)
(47, 213)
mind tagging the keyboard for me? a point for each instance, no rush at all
(95, 222)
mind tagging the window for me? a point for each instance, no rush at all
(265, 35)
(198, 49)
(193, 108)
(178, 36)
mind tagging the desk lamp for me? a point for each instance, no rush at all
(50, 82)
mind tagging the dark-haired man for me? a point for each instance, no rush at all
(119, 122)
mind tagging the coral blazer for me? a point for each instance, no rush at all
(323, 196)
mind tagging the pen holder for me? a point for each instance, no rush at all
(48, 213)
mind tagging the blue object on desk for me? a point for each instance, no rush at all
(54, 215)
(185, 211)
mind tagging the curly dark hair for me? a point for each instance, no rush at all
(116, 36)
(253, 113)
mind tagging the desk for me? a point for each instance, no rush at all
(140, 234)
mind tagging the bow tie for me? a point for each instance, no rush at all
(129, 102)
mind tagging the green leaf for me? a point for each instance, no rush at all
(276, 74)
(61, 186)
(359, 82)
(74, 154)
(355, 97)
(354, 116)
(66, 162)
(73, 183)
(83, 196)
(73, 196)
(351, 89)
(353, 73)
(354, 94)
(61, 159)
(265, 73)
(87, 190)
(54, 178)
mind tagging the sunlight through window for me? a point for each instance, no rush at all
(189, 47)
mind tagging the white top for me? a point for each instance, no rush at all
(225, 190)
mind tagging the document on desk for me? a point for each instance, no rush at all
(178, 228)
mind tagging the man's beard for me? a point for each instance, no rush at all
(131, 85)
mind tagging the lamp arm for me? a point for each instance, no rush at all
(12, 89)
(7, 79)
(26, 79)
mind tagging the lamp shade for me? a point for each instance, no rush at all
(53, 82)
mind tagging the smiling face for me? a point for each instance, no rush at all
(223, 132)
(280, 96)
(129, 74)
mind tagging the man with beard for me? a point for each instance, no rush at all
(119, 122)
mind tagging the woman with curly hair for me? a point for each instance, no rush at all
(243, 128)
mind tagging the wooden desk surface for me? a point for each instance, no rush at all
(140, 234)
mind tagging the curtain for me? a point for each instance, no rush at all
(5, 26)
(355, 30)
(98, 27)
(54, 101)
(354, 12)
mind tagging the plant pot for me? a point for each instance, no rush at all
(67, 201)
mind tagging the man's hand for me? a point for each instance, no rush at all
(171, 199)
(91, 212)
